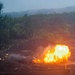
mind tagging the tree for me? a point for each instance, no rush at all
(1, 6)
(4, 28)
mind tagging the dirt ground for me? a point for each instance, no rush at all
(17, 61)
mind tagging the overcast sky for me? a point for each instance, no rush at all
(23, 5)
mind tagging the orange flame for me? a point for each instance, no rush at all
(61, 53)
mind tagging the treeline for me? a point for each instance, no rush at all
(55, 28)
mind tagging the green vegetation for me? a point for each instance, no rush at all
(55, 28)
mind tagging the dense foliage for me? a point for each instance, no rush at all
(55, 28)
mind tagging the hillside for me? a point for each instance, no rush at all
(41, 11)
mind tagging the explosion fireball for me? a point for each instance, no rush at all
(59, 54)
